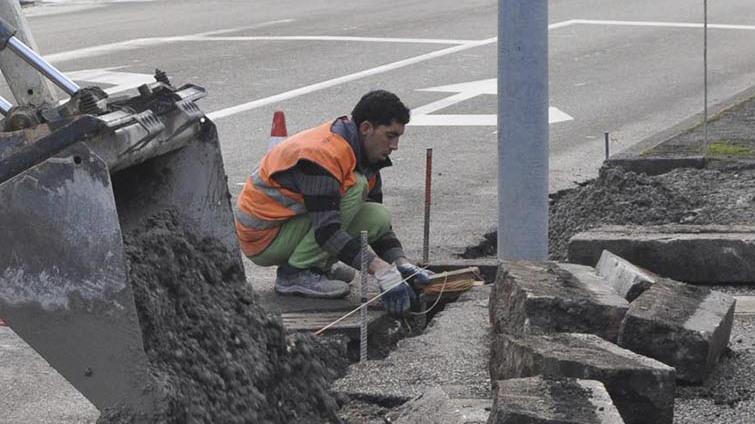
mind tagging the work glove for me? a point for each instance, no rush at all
(396, 299)
(414, 273)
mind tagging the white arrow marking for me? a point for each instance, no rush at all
(422, 116)
(120, 81)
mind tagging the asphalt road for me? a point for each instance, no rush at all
(626, 68)
(631, 68)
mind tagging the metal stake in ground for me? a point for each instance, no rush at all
(608, 151)
(428, 201)
(363, 289)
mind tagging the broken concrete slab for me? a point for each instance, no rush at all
(641, 388)
(544, 297)
(681, 325)
(536, 400)
(626, 278)
(452, 353)
(691, 253)
(435, 406)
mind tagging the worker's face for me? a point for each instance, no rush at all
(380, 141)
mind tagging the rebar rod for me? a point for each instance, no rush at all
(428, 202)
(363, 300)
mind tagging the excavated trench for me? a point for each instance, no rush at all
(217, 356)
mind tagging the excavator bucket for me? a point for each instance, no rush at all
(70, 187)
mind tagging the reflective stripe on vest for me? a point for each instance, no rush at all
(296, 206)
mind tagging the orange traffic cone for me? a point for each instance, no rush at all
(279, 132)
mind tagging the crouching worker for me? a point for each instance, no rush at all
(305, 205)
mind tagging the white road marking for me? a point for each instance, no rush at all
(121, 81)
(327, 38)
(208, 36)
(562, 24)
(662, 24)
(254, 104)
(555, 114)
(346, 78)
(422, 116)
(137, 43)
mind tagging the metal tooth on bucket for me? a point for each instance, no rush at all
(69, 188)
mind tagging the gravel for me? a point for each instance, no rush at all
(727, 395)
(619, 197)
(215, 354)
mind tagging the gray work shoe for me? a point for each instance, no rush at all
(310, 283)
(341, 271)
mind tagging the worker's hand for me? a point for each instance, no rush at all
(415, 273)
(397, 297)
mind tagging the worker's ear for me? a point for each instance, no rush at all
(365, 128)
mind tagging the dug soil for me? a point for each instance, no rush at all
(216, 356)
(620, 197)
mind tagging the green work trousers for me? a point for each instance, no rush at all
(295, 244)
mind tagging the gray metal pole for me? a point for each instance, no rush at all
(523, 129)
(28, 86)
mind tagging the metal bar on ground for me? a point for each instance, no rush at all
(428, 202)
(608, 150)
(363, 300)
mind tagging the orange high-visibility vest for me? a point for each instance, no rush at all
(264, 205)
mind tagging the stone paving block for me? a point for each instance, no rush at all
(626, 278)
(684, 326)
(641, 388)
(544, 297)
(705, 254)
(536, 400)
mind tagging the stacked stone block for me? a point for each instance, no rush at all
(540, 298)
(537, 400)
(641, 388)
(681, 325)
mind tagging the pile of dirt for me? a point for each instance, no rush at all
(620, 197)
(215, 354)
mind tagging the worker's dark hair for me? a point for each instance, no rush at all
(381, 108)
